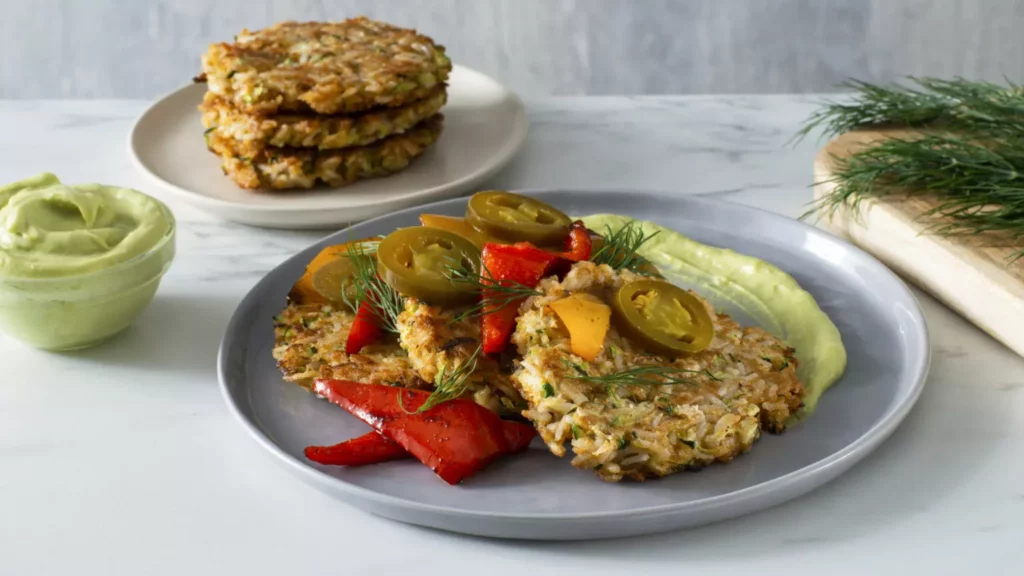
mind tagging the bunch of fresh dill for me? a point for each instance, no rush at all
(965, 149)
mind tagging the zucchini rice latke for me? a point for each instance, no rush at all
(286, 168)
(309, 343)
(251, 133)
(329, 68)
(436, 339)
(745, 380)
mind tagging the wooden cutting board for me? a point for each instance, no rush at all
(973, 276)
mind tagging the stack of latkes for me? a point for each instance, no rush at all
(300, 103)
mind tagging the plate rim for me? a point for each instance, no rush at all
(817, 473)
(505, 155)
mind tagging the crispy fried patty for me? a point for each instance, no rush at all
(744, 380)
(288, 168)
(436, 340)
(251, 133)
(329, 68)
(309, 343)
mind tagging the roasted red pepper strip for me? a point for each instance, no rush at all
(455, 439)
(365, 329)
(578, 244)
(370, 448)
(517, 435)
(521, 263)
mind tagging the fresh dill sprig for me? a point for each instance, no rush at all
(967, 153)
(641, 376)
(449, 385)
(494, 294)
(386, 302)
(979, 187)
(620, 248)
(954, 105)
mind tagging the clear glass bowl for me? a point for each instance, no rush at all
(86, 309)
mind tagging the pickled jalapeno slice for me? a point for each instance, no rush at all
(416, 261)
(663, 317)
(517, 218)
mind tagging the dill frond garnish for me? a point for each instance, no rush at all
(979, 188)
(640, 376)
(954, 105)
(620, 248)
(495, 294)
(966, 153)
(449, 385)
(386, 302)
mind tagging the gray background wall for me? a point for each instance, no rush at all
(141, 49)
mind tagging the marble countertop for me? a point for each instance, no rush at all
(123, 459)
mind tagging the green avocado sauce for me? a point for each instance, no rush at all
(78, 263)
(769, 295)
(49, 229)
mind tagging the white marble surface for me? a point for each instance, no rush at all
(124, 460)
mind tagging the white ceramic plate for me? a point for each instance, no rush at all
(485, 125)
(536, 495)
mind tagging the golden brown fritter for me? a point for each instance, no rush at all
(636, 431)
(309, 343)
(251, 133)
(288, 168)
(329, 68)
(434, 341)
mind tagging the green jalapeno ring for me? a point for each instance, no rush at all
(517, 218)
(415, 262)
(663, 317)
(333, 281)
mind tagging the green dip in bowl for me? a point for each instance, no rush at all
(78, 263)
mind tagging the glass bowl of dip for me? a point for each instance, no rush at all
(78, 264)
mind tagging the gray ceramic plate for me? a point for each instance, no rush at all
(539, 496)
